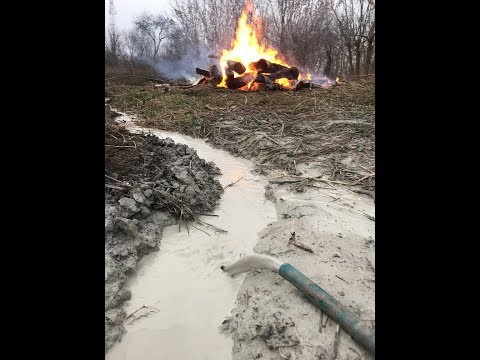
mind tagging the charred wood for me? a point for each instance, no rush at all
(212, 77)
(215, 71)
(288, 73)
(202, 72)
(306, 85)
(237, 82)
(236, 66)
(266, 66)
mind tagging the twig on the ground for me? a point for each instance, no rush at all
(142, 307)
(180, 221)
(367, 216)
(215, 228)
(336, 343)
(246, 298)
(364, 168)
(272, 140)
(114, 187)
(233, 183)
(281, 182)
(363, 178)
(320, 327)
(341, 278)
(295, 152)
(119, 181)
(292, 240)
(200, 230)
(328, 181)
(302, 246)
(121, 146)
(325, 320)
(121, 135)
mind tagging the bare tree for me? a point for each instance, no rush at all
(112, 48)
(329, 36)
(156, 27)
(207, 23)
(356, 24)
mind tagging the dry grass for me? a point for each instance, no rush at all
(280, 129)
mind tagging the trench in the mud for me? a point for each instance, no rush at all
(180, 289)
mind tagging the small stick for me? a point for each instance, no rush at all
(364, 168)
(121, 182)
(341, 278)
(200, 230)
(233, 183)
(321, 322)
(215, 228)
(301, 246)
(142, 307)
(120, 135)
(363, 178)
(269, 138)
(114, 187)
(325, 320)
(206, 136)
(368, 216)
(207, 214)
(295, 152)
(121, 146)
(180, 222)
(281, 182)
(336, 343)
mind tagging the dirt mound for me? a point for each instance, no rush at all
(150, 183)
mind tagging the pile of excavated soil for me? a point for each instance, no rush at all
(150, 183)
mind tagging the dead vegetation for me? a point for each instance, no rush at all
(333, 128)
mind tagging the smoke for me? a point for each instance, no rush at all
(180, 69)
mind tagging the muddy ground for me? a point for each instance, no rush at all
(149, 184)
(332, 128)
(317, 148)
(329, 235)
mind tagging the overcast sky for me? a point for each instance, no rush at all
(127, 10)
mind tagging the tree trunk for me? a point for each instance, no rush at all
(350, 60)
(358, 57)
(328, 66)
(368, 57)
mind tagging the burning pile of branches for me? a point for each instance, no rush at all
(251, 65)
(262, 75)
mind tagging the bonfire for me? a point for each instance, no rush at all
(251, 65)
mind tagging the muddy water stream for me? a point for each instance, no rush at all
(180, 292)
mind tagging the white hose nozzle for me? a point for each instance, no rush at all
(250, 262)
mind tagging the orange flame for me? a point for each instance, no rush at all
(247, 47)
